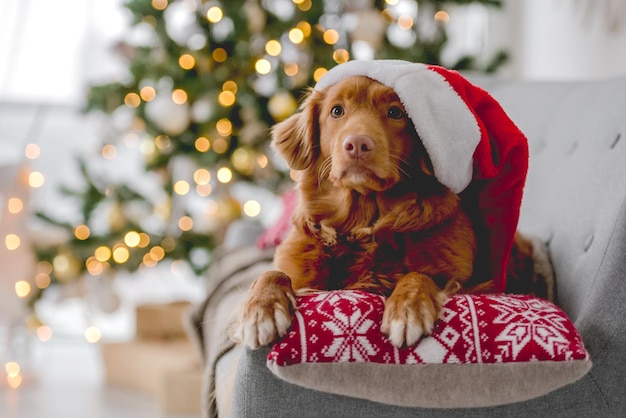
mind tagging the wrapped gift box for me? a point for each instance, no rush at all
(181, 392)
(164, 321)
(143, 364)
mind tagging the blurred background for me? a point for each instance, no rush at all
(133, 146)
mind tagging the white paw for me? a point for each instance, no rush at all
(406, 323)
(260, 324)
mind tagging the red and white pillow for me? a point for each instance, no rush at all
(485, 350)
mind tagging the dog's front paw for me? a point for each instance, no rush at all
(267, 313)
(411, 311)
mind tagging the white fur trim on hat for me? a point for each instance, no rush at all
(448, 128)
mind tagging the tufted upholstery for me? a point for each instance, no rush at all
(575, 199)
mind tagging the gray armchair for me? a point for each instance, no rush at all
(575, 200)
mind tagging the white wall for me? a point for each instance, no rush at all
(566, 39)
(50, 49)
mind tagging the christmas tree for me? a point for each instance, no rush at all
(206, 79)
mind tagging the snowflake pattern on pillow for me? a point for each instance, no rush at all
(344, 326)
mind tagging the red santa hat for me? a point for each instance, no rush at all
(475, 149)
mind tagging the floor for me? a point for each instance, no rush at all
(65, 379)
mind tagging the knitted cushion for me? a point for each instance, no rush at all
(485, 350)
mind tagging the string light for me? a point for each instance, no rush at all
(22, 288)
(262, 160)
(94, 267)
(202, 144)
(15, 205)
(93, 334)
(204, 190)
(220, 145)
(14, 377)
(331, 36)
(224, 175)
(214, 14)
(159, 4)
(12, 242)
(132, 239)
(42, 280)
(263, 66)
(109, 152)
(273, 48)
(102, 253)
(132, 100)
(219, 55)
(147, 93)
(230, 85)
(157, 253)
(181, 187)
(305, 27)
(319, 73)
(14, 382)
(44, 333)
(202, 176)
(120, 254)
(144, 240)
(442, 17)
(252, 208)
(163, 142)
(148, 261)
(35, 179)
(12, 368)
(187, 61)
(32, 151)
(405, 21)
(296, 36)
(224, 127)
(185, 223)
(341, 55)
(291, 69)
(82, 232)
(179, 96)
(305, 5)
(226, 98)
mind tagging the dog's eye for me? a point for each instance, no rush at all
(395, 113)
(337, 111)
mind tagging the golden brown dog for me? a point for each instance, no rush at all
(371, 216)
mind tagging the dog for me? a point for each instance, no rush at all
(371, 216)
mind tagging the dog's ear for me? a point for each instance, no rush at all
(297, 137)
(426, 165)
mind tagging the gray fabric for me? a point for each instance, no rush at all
(229, 278)
(436, 385)
(258, 393)
(575, 198)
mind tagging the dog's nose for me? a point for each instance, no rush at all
(358, 146)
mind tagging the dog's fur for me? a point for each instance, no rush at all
(371, 216)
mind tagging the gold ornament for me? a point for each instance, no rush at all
(228, 209)
(244, 160)
(66, 266)
(282, 105)
(117, 219)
